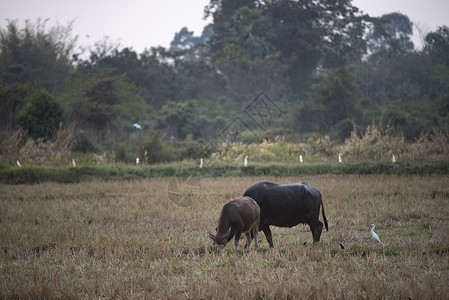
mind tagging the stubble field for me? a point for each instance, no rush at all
(147, 239)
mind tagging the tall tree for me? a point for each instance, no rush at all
(13, 98)
(437, 46)
(391, 36)
(331, 106)
(101, 102)
(297, 31)
(35, 53)
(152, 70)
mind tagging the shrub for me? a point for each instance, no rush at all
(375, 144)
(39, 152)
(42, 116)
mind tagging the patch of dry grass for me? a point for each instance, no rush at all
(130, 240)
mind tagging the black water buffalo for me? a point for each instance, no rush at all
(287, 205)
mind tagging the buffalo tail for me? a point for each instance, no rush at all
(324, 216)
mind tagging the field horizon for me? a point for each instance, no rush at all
(147, 238)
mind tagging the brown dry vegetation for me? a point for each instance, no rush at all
(147, 239)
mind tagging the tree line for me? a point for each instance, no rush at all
(325, 63)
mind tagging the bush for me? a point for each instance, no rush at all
(155, 150)
(38, 152)
(121, 154)
(42, 116)
(375, 144)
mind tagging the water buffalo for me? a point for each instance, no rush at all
(238, 216)
(287, 205)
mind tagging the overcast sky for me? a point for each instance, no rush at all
(143, 24)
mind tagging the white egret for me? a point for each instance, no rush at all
(245, 163)
(18, 163)
(201, 162)
(339, 157)
(137, 160)
(73, 163)
(374, 235)
(137, 126)
(300, 158)
(393, 159)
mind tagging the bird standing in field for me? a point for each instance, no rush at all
(18, 164)
(245, 163)
(374, 235)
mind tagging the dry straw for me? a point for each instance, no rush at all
(129, 240)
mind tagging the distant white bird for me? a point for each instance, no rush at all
(339, 157)
(201, 162)
(137, 126)
(73, 163)
(374, 235)
(137, 160)
(300, 158)
(245, 162)
(393, 159)
(18, 163)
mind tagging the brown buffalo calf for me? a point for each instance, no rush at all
(238, 216)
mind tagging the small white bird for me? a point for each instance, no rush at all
(18, 163)
(137, 160)
(73, 163)
(201, 162)
(300, 158)
(374, 235)
(137, 126)
(339, 157)
(393, 159)
(245, 162)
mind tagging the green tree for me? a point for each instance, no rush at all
(35, 53)
(150, 71)
(437, 46)
(42, 116)
(13, 98)
(185, 40)
(250, 30)
(101, 103)
(391, 36)
(332, 104)
(179, 120)
(348, 44)
(403, 78)
(336, 91)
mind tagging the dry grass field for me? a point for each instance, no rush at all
(147, 239)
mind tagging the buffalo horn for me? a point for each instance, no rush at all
(211, 235)
(227, 233)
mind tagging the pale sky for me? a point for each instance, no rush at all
(143, 24)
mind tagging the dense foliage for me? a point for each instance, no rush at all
(323, 67)
(42, 116)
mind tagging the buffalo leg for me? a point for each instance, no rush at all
(248, 240)
(238, 233)
(256, 234)
(267, 231)
(316, 229)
